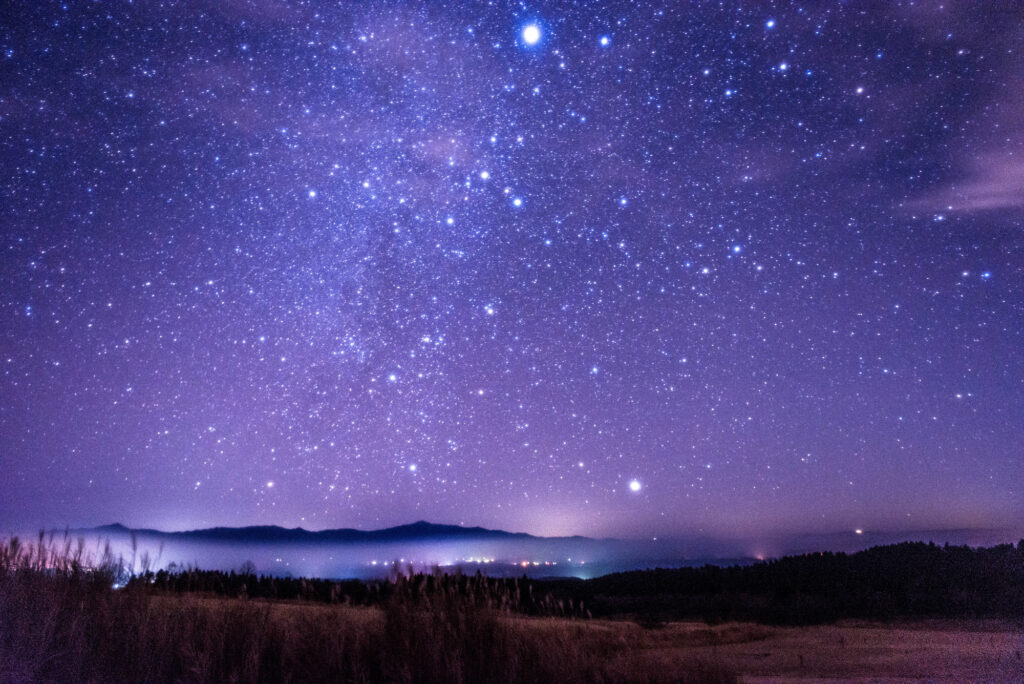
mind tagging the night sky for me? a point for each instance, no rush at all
(566, 268)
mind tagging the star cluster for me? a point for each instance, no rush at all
(595, 268)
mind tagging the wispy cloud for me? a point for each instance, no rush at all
(995, 182)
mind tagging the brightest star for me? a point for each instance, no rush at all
(531, 34)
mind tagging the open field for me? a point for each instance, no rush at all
(965, 650)
(926, 651)
(62, 619)
(621, 650)
(210, 639)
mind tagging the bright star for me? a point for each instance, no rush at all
(605, 41)
(634, 485)
(531, 34)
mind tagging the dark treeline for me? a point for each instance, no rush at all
(903, 580)
(513, 594)
(908, 580)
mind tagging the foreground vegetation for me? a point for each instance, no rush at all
(61, 619)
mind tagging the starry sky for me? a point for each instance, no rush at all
(564, 268)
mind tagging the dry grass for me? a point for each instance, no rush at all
(61, 621)
(953, 651)
(933, 651)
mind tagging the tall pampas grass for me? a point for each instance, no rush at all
(70, 616)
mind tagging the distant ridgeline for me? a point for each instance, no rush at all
(911, 579)
(419, 530)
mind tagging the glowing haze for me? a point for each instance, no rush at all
(572, 268)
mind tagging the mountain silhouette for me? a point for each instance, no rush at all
(417, 531)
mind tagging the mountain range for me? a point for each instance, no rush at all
(417, 531)
(704, 546)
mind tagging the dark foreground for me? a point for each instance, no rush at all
(61, 620)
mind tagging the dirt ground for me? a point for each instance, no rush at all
(961, 651)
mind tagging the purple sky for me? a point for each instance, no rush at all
(594, 268)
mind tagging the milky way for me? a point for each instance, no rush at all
(561, 268)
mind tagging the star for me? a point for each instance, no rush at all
(531, 34)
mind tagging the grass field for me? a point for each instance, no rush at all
(62, 621)
(214, 639)
(621, 650)
(925, 651)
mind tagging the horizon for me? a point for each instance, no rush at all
(1011, 533)
(617, 271)
(425, 547)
